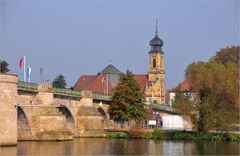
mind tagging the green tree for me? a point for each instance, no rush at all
(3, 66)
(216, 86)
(127, 101)
(59, 82)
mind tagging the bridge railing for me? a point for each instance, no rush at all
(98, 96)
(163, 107)
(26, 85)
(66, 91)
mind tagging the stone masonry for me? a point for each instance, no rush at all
(8, 113)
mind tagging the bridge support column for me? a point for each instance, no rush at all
(8, 112)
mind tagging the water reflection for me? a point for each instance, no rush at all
(103, 146)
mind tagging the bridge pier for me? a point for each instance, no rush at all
(8, 112)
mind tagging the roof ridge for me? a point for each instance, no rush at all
(110, 69)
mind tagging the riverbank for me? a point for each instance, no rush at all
(171, 135)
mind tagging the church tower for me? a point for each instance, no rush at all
(155, 91)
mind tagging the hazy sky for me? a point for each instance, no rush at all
(74, 37)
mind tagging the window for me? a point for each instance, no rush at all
(154, 63)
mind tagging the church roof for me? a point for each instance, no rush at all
(98, 83)
(108, 77)
(156, 43)
(94, 83)
(110, 69)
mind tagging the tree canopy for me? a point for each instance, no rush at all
(3, 66)
(215, 84)
(59, 82)
(127, 100)
(227, 55)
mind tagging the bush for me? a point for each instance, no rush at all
(146, 135)
(158, 134)
(217, 137)
(117, 135)
(233, 137)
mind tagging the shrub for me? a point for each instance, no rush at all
(158, 134)
(233, 137)
(217, 137)
(117, 135)
(146, 135)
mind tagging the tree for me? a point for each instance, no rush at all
(217, 88)
(127, 101)
(59, 82)
(185, 105)
(227, 55)
(215, 84)
(3, 66)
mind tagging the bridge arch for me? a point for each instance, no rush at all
(105, 115)
(23, 124)
(102, 112)
(69, 117)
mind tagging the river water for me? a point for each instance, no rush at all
(104, 146)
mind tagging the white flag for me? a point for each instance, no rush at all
(29, 69)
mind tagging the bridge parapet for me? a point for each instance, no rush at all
(27, 86)
(105, 97)
(165, 108)
(45, 88)
(66, 91)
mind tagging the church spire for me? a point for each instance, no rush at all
(156, 43)
(156, 26)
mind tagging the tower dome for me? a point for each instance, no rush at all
(156, 43)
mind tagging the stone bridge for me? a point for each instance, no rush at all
(40, 112)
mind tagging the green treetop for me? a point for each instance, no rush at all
(127, 101)
(3, 66)
(59, 82)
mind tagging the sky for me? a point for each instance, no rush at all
(75, 37)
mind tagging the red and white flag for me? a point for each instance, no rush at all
(22, 63)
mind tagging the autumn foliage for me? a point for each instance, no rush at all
(215, 85)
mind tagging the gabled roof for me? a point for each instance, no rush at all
(94, 83)
(84, 81)
(99, 85)
(110, 69)
(184, 86)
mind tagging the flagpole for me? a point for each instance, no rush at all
(24, 68)
(107, 83)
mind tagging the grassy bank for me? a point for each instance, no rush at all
(159, 134)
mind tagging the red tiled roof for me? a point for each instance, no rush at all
(184, 86)
(142, 79)
(84, 81)
(96, 83)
